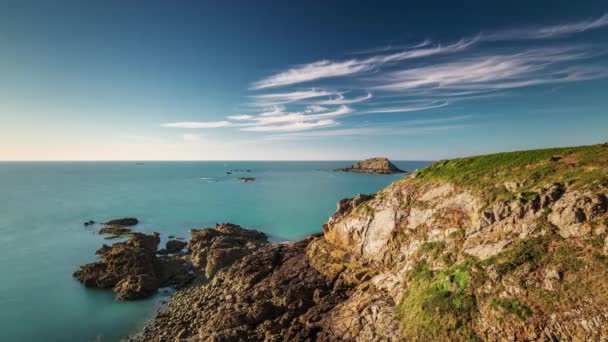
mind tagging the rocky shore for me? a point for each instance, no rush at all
(459, 251)
(381, 166)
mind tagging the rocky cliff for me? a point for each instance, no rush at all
(511, 246)
(373, 165)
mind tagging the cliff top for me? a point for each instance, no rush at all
(498, 175)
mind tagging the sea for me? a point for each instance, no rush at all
(43, 240)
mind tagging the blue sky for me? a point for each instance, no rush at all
(116, 80)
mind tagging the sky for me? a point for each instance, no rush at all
(299, 80)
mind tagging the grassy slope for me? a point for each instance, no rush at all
(485, 175)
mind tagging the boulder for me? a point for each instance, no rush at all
(174, 246)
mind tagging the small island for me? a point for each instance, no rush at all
(380, 166)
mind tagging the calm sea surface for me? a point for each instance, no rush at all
(43, 240)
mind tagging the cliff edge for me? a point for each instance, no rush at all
(509, 246)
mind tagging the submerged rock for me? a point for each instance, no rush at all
(373, 165)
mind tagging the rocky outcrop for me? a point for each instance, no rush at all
(217, 248)
(126, 267)
(122, 222)
(380, 166)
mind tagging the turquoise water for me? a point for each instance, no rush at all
(43, 240)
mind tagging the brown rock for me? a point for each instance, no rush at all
(373, 165)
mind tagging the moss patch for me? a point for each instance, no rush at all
(513, 306)
(437, 304)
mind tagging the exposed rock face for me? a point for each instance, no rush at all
(524, 247)
(132, 269)
(214, 249)
(373, 165)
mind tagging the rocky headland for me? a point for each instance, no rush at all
(509, 246)
(381, 166)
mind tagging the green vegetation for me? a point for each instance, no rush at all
(525, 251)
(513, 306)
(432, 248)
(458, 234)
(438, 304)
(566, 255)
(486, 175)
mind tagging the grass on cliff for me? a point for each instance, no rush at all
(437, 304)
(486, 175)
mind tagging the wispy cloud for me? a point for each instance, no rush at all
(408, 127)
(326, 68)
(404, 109)
(276, 99)
(491, 72)
(340, 100)
(409, 78)
(294, 126)
(240, 117)
(390, 47)
(194, 124)
(545, 32)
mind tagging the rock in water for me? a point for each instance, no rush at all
(381, 166)
(114, 232)
(123, 222)
(132, 269)
(174, 246)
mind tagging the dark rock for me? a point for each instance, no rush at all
(174, 246)
(123, 222)
(132, 269)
